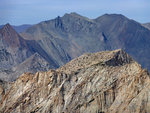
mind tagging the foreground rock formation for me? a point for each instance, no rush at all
(105, 82)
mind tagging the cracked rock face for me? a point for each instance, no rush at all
(105, 82)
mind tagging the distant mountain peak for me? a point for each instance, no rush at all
(18, 29)
(7, 27)
(11, 37)
(7, 30)
(111, 16)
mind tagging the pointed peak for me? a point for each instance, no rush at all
(7, 24)
(11, 37)
(7, 27)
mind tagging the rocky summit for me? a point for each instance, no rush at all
(103, 82)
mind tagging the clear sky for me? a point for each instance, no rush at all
(17, 12)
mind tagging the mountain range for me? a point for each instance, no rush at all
(55, 66)
(62, 39)
(68, 37)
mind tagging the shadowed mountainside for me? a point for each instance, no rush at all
(14, 50)
(68, 37)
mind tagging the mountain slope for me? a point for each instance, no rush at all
(104, 82)
(32, 64)
(15, 50)
(68, 37)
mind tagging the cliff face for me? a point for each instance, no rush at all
(108, 81)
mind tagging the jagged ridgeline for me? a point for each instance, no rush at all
(55, 42)
(104, 82)
(72, 35)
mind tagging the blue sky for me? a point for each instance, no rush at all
(17, 12)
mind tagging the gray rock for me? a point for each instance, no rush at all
(68, 37)
(15, 50)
